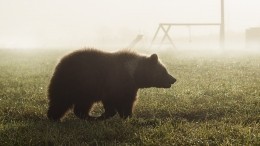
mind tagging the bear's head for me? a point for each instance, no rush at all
(151, 73)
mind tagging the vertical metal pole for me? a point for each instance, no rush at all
(222, 25)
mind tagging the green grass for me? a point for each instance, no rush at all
(216, 101)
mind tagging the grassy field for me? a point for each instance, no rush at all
(216, 101)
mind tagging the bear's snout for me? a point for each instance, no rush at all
(172, 79)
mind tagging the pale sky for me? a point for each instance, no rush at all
(69, 23)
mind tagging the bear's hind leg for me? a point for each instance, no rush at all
(57, 109)
(81, 110)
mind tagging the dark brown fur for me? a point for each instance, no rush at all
(88, 76)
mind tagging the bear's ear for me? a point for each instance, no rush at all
(154, 57)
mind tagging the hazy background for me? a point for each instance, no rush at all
(106, 23)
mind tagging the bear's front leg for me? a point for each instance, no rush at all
(126, 110)
(126, 103)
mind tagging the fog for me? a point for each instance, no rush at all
(115, 24)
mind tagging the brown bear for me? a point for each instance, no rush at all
(87, 76)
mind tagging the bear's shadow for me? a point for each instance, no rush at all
(38, 130)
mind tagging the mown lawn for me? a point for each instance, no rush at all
(216, 101)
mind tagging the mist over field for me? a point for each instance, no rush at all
(114, 24)
(213, 53)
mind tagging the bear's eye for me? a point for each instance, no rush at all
(163, 73)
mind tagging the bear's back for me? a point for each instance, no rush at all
(85, 58)
(92, 69)
(80, 70)
(91, 59)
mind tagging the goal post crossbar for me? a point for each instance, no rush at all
(165, 27)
